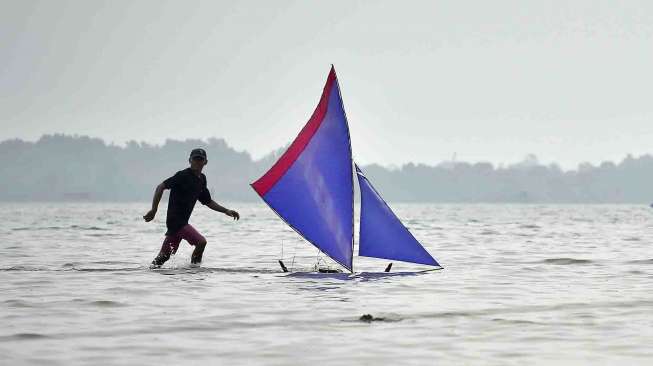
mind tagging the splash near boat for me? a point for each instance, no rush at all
(311, 188)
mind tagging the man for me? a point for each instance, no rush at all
(186, 187)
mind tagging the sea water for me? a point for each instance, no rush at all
(522, 284)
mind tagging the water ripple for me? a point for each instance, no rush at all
(566, 261)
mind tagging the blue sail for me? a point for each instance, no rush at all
(382, 235)
(311, 185)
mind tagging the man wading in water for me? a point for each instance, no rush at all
(186, 187)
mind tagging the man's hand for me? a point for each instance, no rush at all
(149, 216)
(216, 207)
(158, 192)
(233, 214)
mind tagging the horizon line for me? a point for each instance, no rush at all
(529, 159)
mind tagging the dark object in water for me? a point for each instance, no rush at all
(368, 318)
(387, 269)
(283, 266)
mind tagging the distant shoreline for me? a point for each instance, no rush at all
(64, 168)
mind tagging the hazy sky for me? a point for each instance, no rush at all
(569, 81)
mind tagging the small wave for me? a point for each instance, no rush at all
(530, 226)
(515, 321)
(632, 238)
(636, 272)
(71, 267)
(107, 304)
(79, 267)
(456, 314)
(40, 228)
(581, 219)
(489, 232)
(20, 268)
(111, 262)
(13, 303)
(27, 336)
(189, 269)
(103, 235)
(93, 228)
(128, 269)
(641, 261)
(36, 228)
(528, 309)
(566, 261)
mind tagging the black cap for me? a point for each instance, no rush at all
(198, 152)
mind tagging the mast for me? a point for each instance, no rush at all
(342, 105)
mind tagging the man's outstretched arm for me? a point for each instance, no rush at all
(158, 192)
(216, 207)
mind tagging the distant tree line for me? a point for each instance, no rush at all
(62, 167)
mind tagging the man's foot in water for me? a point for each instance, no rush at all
(159, 260)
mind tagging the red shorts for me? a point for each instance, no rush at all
(188, 233)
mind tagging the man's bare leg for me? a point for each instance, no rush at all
(196, 257)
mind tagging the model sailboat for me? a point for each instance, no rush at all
(311, 188)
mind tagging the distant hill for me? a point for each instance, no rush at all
(62, 167)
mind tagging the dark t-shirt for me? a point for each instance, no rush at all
(185, 188)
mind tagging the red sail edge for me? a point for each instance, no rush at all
(270, 178)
